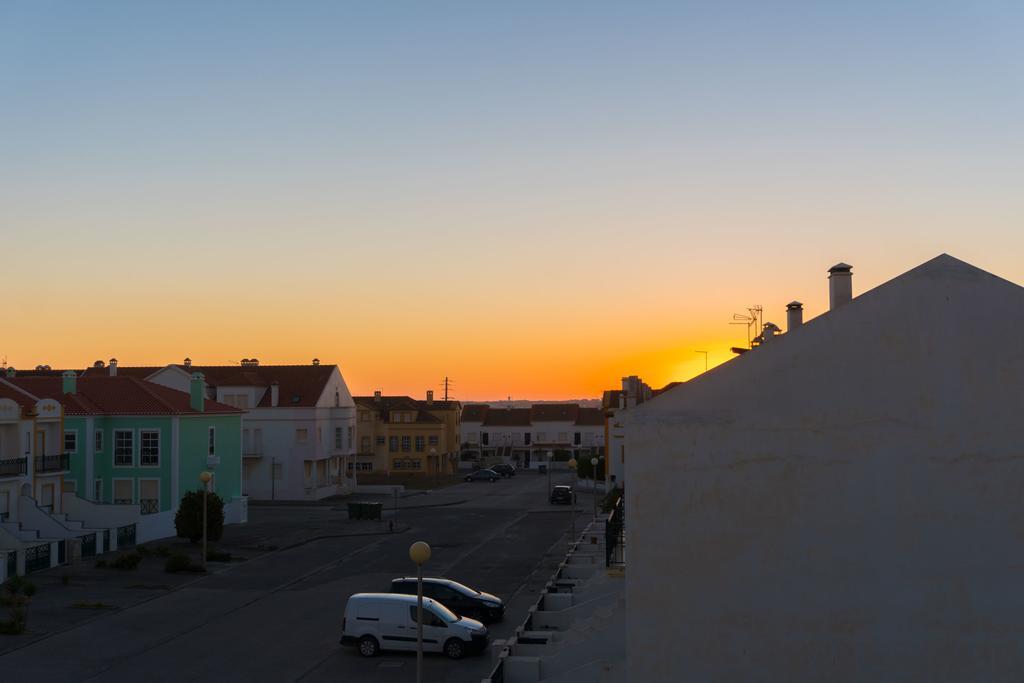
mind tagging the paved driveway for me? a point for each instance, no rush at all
(277, 617)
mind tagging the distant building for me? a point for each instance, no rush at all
(842, 501)
(403, 435)
(529, 435)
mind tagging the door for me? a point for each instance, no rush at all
(453, 600)
(46, 497)
(397, 628)
(435, 631)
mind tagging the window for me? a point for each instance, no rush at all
(149, 448)
(123, 494)
(526, 438)
(393, 444)
(301, 435)
(337, 399)
(433, 440)
(338, 442)
(212, 441)
(485, 438)
(98, 441)
(406, 444)
(364, 444)
(97, 490)
(149, 496)
(348, 437)
(71, 442)
(421, 444)
(407, 464)
(5, 505)
(563, 437)
(380, 440)
(577, 439)
(365, 417)
(542, 436)
(429, 618)
(124, 448)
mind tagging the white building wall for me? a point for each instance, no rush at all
(843, 503)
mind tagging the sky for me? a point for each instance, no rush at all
(533, 199)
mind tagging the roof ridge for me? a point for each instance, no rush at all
(19, 389)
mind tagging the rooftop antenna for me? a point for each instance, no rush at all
(447, 384)
(752, 319)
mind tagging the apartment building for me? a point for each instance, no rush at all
(405, 435)
(531, 435)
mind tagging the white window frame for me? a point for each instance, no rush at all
(339, 442)
(74, 433)
(159, 447)
(113, 489)
(97, 491)
(113, 451)
(211, 442)
(97, 443)
(158, 492)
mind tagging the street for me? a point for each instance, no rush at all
(277, 617)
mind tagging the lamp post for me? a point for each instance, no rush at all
(419, 552)
(572, 503)
(205, 477)
(593, 472)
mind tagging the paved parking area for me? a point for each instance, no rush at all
(276, 617)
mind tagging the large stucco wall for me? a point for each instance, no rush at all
(845, 503)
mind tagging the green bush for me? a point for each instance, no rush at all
(188, 521)
(125, 561)
(16, 594)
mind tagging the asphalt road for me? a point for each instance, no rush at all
(277, 617)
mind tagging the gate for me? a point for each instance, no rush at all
(126, 535)
(12, 563)
(37, 557)
(62, 552)
(89, 545)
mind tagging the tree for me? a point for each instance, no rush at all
(188, 521)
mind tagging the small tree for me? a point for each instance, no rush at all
(188, 521)
(16, 594)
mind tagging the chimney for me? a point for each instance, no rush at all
(275, 393)
(794, 315)
(316, 361)
(70, 382)
(99, 364)
(188, 362)
(430, 397)
(113, 367)
(768, 332)
(840, 285)
(250, 362)
(197, 398)
(376, 395)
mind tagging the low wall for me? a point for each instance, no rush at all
(33, 517)
(98, 515)
(154, 526)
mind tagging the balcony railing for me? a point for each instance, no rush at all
(149, 506)
(15, 467)
(53, 463)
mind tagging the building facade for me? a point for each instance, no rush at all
(841, 502)
(403, 435)
(532, 435)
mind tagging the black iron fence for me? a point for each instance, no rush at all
(53, 463)
(37, 557)
(126, 535)
(615, 534)
(14, 467)
(88, 545)
(149, 506)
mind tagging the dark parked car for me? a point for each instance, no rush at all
(483, 475)
(463, 600)
(505, 470)
(562, 494)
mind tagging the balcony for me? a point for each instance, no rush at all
(16, 467)
(52, 463)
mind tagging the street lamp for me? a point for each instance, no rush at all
(572, 504)
(205, 477)
(419, 552)
(593, 472)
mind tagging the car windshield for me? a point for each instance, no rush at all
(444, 613)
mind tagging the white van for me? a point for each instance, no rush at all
(387, 621)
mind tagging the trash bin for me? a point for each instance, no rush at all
(372, 510)
(357, 510)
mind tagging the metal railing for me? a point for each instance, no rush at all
(37, 557)
(149, 506)
(615, 535)
(53, 463)
(14, 467)
(126, 535)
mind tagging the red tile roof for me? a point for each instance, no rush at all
(384, 405)
(17, 394)
(555, 412)
(120, 395)
(538, 412)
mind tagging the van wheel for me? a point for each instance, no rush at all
(368, 646)
(454, 648)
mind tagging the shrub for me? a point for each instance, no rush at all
(180, 562)
(218, 556)
(188, 521)
(126, 561)
(16, 594)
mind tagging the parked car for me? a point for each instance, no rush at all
(483, 475)
(387, 621)
(505, 470)
(461, 599)
(562, 494)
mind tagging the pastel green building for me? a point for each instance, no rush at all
(133, 442)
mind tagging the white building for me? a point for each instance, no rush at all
(842, 502)
(298, 431)
(528, 435)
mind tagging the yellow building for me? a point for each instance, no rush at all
(403, 435)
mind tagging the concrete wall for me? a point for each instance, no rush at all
(843, 503)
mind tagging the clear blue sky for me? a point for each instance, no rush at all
(595, 166)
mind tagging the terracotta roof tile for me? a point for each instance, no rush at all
(120, 395)
(384, 406)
